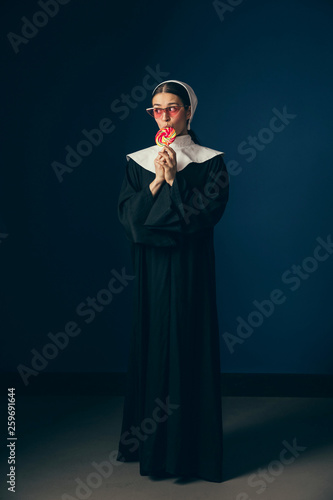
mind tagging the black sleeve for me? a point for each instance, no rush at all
(134, 205)
(191, 208)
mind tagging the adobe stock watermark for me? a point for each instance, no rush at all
(222, 8)
(31, 27)
(248, 147)
(254, 144)
(121, 107)
(275, 468)
(87, 309)
(104, 469)
(293, 277)
(214, 190)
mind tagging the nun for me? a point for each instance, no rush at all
(170, 200)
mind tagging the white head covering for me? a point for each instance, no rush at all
(191, 94)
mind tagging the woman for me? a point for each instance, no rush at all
(170, 200)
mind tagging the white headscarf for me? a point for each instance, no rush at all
(191, 94)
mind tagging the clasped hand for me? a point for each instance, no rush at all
(166, 165)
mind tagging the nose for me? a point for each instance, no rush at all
(165, 118)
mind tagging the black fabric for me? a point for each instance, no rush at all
(172, 414)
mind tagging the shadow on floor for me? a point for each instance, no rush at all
(306, 423)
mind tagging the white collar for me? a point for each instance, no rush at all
(186, 152)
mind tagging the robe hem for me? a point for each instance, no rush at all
(169, 470)
(183, 474)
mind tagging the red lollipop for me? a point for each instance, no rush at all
(165, 136)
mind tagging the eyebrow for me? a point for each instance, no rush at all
(168, 104)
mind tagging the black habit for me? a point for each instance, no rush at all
(172, 414)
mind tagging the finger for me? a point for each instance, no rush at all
(164, 159)
(163, 153)
(169, 150)
(168, 154)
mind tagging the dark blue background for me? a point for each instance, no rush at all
(60, 241)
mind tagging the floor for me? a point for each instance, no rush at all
(274, 449)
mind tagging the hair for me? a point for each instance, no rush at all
(180, 91)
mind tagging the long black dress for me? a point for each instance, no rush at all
(172, 414)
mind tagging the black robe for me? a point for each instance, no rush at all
(172, 414)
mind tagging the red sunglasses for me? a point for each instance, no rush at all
(158, 112)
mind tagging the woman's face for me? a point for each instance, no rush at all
(178, 121)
